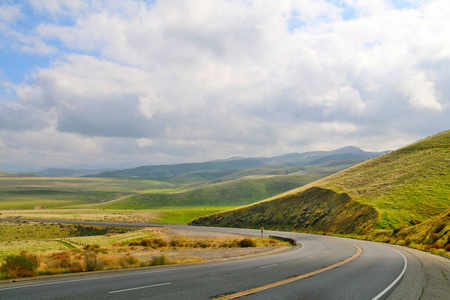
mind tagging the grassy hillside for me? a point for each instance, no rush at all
(32, 192)
(214, 169)
(433, 234)
(164, 171)
(230, 193)
(412, 183)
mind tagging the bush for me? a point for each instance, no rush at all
(134, 243)
(414, 222)
(432, 246)
(439, 227)
(158, 260)
(176, 242)
(128, 260)
(247, 242)
(95, 248)
(91, 263)
(61, 259)
(153, 242)
(17, 266)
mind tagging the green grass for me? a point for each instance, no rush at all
(21, 236)
(27, 193)
(407, 184)
(230, 193)
(187, 214)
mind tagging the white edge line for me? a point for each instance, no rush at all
(140, 287)
(268, 266)
(141, 273)
(396, 280)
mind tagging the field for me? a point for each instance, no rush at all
(178, 199)
(59, 248)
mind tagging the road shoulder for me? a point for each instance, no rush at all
(426, 278)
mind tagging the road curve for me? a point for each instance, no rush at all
(322, 268)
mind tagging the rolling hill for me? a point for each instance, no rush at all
(57, 172)
(221, 168)
(407, 185)
(236, 192)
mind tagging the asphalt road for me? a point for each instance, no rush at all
(321, 267)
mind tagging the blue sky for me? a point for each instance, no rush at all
(109, 83)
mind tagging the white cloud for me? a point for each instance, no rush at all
(189, 80)
(421, 92)
(144, 142)
(9, 13)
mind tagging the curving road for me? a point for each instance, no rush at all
(320, 268)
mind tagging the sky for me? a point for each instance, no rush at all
(129, 83)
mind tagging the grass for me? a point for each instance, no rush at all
(113, 250)
(170, 215)
(136, 200)
(230, 193)
(41, 237)
(28, 193)
(412, 183)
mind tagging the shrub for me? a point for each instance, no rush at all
(158, 260)
(91, 263)
(432, 246)
(247, 242)
(447, 248)
(17, 266)
(95, 248)
(128, 260)
(397, 230)
(432, 238)
(153, 242)
(439, 227)
(176, 242)
(61, 259)
(134, 243)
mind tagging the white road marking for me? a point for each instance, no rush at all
(268, 266)
(310, 256)
(140, 287)
(396, 280)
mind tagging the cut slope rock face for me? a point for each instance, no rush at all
(312, 210)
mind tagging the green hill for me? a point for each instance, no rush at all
(214, 169)
(164, 171)
(230, 193)
(412, 183)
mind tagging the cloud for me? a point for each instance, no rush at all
(190, 80)
(421, 92)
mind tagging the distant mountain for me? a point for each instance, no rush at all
(314, 157)
(4, 174)
(56, 172)
(225, 167)
(165, 171)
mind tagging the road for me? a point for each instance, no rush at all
(321, 267)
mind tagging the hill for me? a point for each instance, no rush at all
(220, 168)
(387, 192)
(4, 174)
(57, 172)
(236, 192)
(164, 171)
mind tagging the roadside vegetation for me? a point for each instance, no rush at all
(107, 248)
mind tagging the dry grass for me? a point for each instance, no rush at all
(145, 247)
